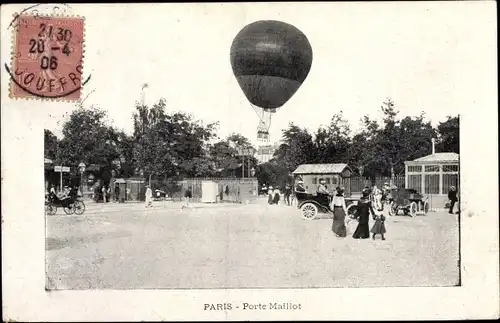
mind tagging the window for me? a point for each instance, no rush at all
(432, 184)
(335, 181)
(315, 180)
(415, 182)
(327, 180)
(431, 168)
(450, 168)
(414, 169)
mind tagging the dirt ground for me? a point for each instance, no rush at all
(247, 246)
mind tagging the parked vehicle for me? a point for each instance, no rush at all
(311, 204)
(409, 201)
(70, 204)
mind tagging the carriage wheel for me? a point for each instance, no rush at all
(50, 209)
(413, 209)
(351, 209)
(69, 209)
(309, 211)
(79, 207)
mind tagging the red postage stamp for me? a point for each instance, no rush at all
(47, 58)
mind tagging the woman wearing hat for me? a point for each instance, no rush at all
(339, 213)
(363, 212)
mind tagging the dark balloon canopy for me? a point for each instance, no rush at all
(270, 60)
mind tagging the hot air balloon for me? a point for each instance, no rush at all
(271, 60)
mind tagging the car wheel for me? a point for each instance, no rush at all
(309, 211)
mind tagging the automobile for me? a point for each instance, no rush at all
(311, 205)
(159, 194)
(408, 200)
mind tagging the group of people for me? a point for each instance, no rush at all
(274, 195)
(66, 192)
(363, 211)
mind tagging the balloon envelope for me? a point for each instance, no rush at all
(270, 60)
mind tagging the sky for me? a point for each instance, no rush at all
(422, 55)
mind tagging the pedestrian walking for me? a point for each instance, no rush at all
(363, 212)
(149, 197)
(339, 213)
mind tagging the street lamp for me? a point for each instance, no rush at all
(81, 167)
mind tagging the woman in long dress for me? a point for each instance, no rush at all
(339, 213)
(363, 212)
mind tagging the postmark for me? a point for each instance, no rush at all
(47, 57)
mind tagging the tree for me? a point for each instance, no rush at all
(87, 138)
(50, 144)
(449, 135)
(297, 148)
(383, 149)
(170, 144)
(272, 174)
(332, 144)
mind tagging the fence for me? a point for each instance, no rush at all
(234, 190)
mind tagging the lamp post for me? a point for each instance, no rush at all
(81, 167)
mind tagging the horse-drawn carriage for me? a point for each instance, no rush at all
(70, 204)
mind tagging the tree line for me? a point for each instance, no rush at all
(377, 149)
(163, 145)
(173, 145)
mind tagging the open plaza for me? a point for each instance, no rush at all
(126, 246)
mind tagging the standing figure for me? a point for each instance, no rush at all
(270, 195)
(148, 197)
(276, 197)
(452, 196)
(188, 195)
(103, 191)
(379, 226)
(339, 213)
(377, 198)
(363, 212)
(117, 193)
(288, 192)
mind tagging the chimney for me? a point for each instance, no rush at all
(433, 145)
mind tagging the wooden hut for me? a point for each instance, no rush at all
(333, 174)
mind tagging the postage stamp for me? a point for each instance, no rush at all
(47, 58)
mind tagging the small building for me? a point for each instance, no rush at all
(334, 175)
(433, 175)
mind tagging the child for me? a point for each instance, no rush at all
(379, 226)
